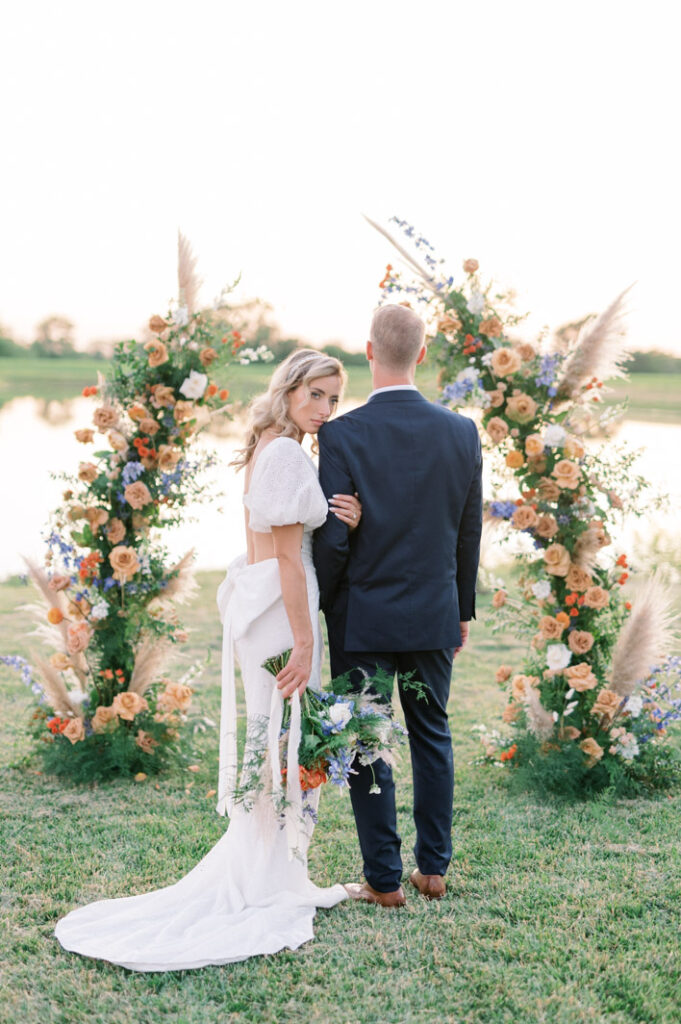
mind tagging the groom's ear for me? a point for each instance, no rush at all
(370, 351)
(422, 355)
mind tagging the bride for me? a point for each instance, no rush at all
(251, 893)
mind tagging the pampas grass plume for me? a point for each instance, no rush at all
(644, 637)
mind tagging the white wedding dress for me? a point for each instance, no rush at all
(251, 893)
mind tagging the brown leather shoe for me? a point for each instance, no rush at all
(366, 894)
(431, 887)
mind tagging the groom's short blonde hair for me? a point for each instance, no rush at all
(397, 335)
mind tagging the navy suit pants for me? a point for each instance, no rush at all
(432, 766)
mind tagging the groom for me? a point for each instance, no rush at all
(399, 592)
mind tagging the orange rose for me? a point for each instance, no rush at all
(87, 472)
(546, 527)
(124, 562)
(157, 324)
(580, 641)
(183, 411)
(524, 518)
(569, 732)
(207, 356)
(117, 441)
(162, 396)
(563, 617)
(75, 730)
(158, 353)
(596, 597)
(526, 351)
(449, 324)
(521, 685)
(521, 409)
(54, 616)
(137, 412)
(128, 704)
(104, 719)
(510, 713)
(149, 426)
(557, 560)
(593, 751)
(77, 637)
(534, 446)
(502, 674)
(499, 599)
(105, 418)
(567, 474)
(85, 436)
(137, 494)
(175, 697)
(496, 398)
(514, 459)
(550, 628)
(505, 362)
(168, 457)
(470, 266)
(537, 464)
(607, 703)
(115, 531)
(96, 517)
(491, 327)
(549, 489)
(145, 741)
(60, 661)
(578, 579)
(580, 677)
(573, 447)
(497, 429)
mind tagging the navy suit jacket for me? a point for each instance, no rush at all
(406, 577)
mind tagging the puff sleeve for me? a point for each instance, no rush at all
(284, 489)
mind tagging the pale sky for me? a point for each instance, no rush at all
(540, 138)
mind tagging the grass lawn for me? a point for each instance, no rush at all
(555, 913)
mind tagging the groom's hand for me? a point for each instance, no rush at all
(295, 675)
(465, 629)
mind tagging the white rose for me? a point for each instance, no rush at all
(77, 696)
(634, 706)
(340, 715)
(100, 610)
(476, 303)
(181, 316)
(554, 436)
(487, 358)
(194, 385)
(558, 656)
(541, 589)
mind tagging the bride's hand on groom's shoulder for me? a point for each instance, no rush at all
(347, 508)
(465, 630)
(295, 674)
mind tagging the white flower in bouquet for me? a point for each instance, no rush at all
(476, 303)
(77, 696)
(558, 657)
(470, 373)
(634, 705)
(627, 747)
(541, 589)
(554, 435)
(181, 316)
(194, 385)
(339, 715)
(100, 610)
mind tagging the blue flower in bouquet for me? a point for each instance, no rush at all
(340, 768)
(337, 716)
(131, 472)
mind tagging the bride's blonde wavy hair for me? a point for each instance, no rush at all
(270, 410)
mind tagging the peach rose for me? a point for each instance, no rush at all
(75, 730)
(502, 674)
(524, 517)
(145, 741)
(105, 418)
(573, 447)
(207, 356)
(534, 445)
(567, 474)
(593, 751)
(496, 398)
(117, 441)
(521, 408)
(149, 426)
(505, 361)
(537, 464)
(497, 429)
(77, 637)
(58, 582)
(615, 499)
(183, 411)
(449, 324)
(569, 732)
(137, 412)
(157, 324)
(104, 719)
(162, 396)
(124, 562)
(168, 457)
(546, 527)
(499, 599)
(580, 641)
(128, 704)
(115, 531)
(158, 353)
(96, 517)
(521, 685)
(76, 512)
(60, 661)
(607, 703)
(491, 327)
(549, 489)
(470, 266)
(596, 597)
(526, 351)
(514, 459)
(580, 677)
(87, 472)
(137, 494)
(578, 579)
(510, 713)
(85, 436)
(557, 560)
(175, 697)
(550, 628)
(139, 521)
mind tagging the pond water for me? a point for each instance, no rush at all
(36, 437)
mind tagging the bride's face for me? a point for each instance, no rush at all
(311, 406)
